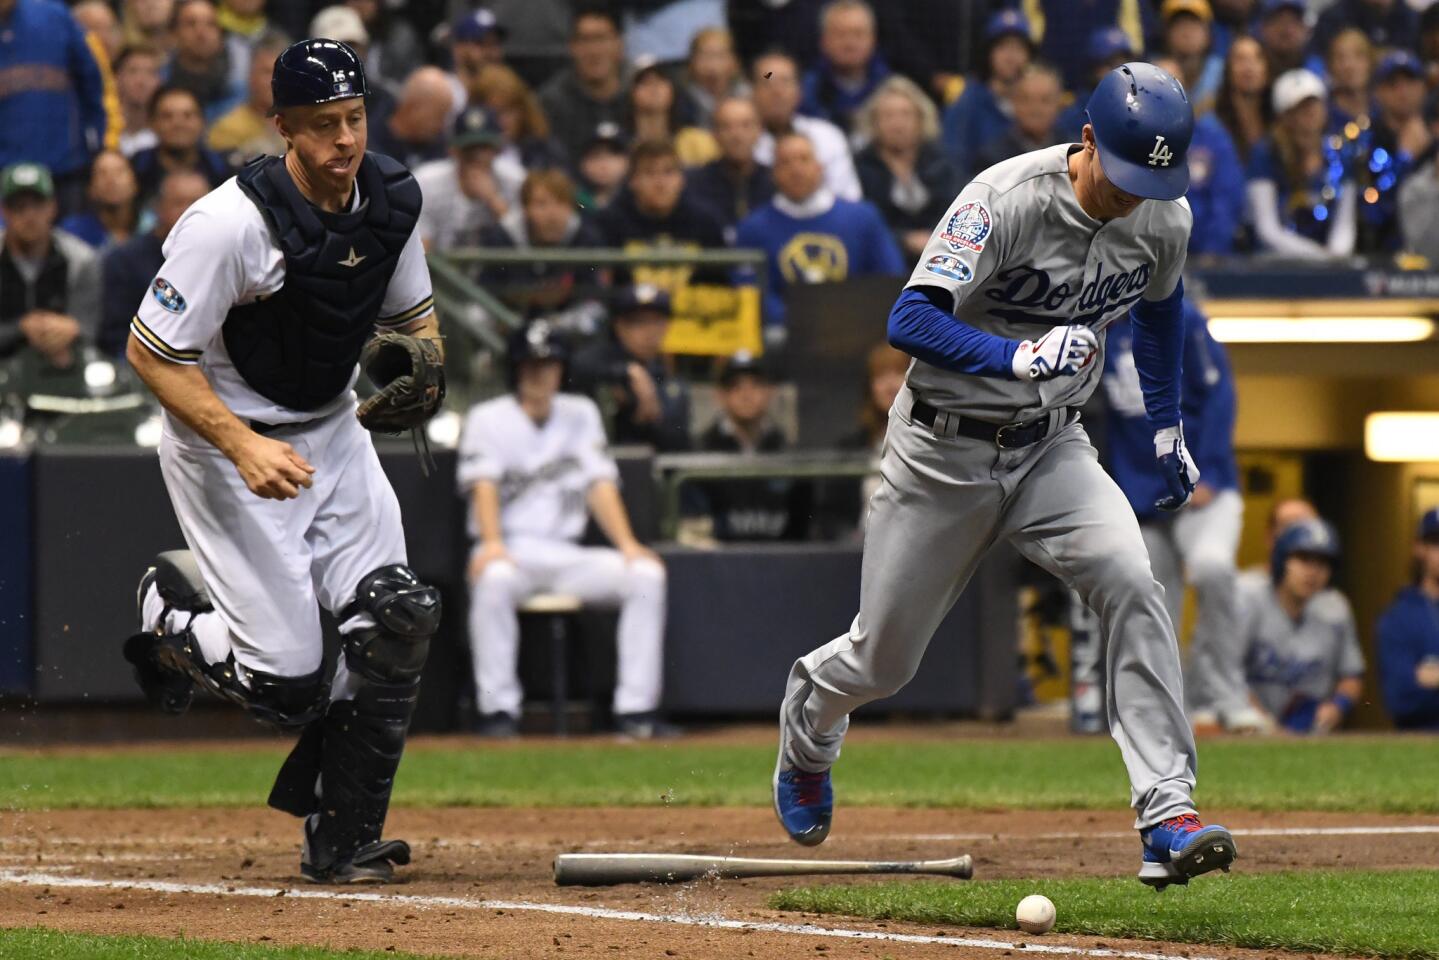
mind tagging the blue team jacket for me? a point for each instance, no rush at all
(1206, 403)
(52, 105)
(1409, 632)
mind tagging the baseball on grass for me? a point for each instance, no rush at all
(1035, 914)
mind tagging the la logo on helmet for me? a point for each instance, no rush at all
(1160, 155)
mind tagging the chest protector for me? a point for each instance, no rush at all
(298, 347)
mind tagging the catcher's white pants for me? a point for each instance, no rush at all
(270, 564)
(597, 575)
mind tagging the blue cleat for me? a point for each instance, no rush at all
(804, 803)
(1181, 848)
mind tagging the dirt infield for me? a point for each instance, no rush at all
(481, 886)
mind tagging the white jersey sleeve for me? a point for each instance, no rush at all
(481, 455)
(409, 297)
(967, 246)
(203, 276)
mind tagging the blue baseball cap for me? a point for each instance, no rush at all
(1271, 7)
(476, 27)
(1108, 42)
(1398, 61)
(1006, 23)
(1429, 525)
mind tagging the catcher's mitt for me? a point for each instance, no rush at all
(409, 373)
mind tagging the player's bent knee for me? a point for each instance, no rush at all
(406, 615)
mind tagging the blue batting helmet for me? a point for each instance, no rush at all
(1143, 123)
(317, 71)
(1314, 537)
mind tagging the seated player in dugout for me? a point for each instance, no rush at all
(1301, 652)
(270, 296)
(534, 466)
(1409, 638)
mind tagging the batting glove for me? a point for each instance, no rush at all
(1176, 466)
(1062, 352)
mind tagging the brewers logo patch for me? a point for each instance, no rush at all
(167, 296)
(968, 227)
(951, 268)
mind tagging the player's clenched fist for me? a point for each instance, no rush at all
(1176, 466)
(271, 468)
(1062, 352)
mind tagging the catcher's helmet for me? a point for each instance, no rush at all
(1143, 123)
(538, 340)
(1314, 537)
(317, 71)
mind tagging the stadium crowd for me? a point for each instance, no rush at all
(828, 134)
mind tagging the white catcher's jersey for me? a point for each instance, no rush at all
(1020, 255)
(221, 254)
(544, 471)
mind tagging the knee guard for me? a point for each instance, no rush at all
(406, 614)
(177, 578)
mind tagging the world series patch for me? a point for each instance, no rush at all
(968, 227)
(951, 268)
(167, 296)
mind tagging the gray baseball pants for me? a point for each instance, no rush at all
(941, 504)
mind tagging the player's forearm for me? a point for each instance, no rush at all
(183, 390)
(609, 513)
(485, 501)
(429, 328)
(1159, 336)
(921, 329)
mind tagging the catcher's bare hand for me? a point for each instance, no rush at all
(271, 468)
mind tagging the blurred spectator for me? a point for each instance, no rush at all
(534, 467)
(476, 42)
(654, 110)
(737, 510)
(98, 18)
(546, 219)
(1198, 544)
(1419, 200)
(212, 66)
(414, 131)
(343, 23)
(137, 77)
(1188, 40)
(776, 96)
(1408, 638)
(850, 67)
(628, 375)
(178, 124)
(49, 280)
(811, 236)
(129, 267)
(1245, 106)
(1302, 656)
(903, 171)
(1429, 44)
(52, 98)
(472, 188)
(111, 210)
(1350, 66)
(1232, 18)
(1283, 32)
(1387, 23)
(712, 73)
(1396, 138)
(734, 184)
(591, 90)
(662, 29)
(983, 113)
(523, 122)
(247, 131)
(655, 213)
(763, 26)
(1058, 24)
(246, 19)
(146, 23)
(1301, 199)
(1108, 47)
(537, 35)
(603, 166)
(886, 369)
(1036, 100)
(394, 48)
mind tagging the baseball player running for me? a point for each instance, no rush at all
(1004, 314)
(272, 287)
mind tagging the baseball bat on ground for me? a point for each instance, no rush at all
(603, 869)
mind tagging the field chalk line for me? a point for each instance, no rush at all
(32, 879)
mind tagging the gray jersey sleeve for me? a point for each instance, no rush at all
(1351, 655)
(967, 245)
(1178, 221)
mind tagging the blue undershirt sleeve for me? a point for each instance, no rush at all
(1159, 334)
(919, 327)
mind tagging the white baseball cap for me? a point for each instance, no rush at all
(1296, 86)
(341, 23)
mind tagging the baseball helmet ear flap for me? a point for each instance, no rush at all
(1143, 122)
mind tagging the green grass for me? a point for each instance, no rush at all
(38, 944)
(1358, 913)
(1395, 775)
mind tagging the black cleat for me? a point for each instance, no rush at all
(373, 863)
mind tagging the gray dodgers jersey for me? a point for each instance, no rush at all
(1286, 661)
(1021, 256)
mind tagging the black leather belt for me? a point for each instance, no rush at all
(265, 429)
(1006, 436)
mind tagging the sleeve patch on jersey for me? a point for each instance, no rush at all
(406, 316)
(167, 296)
(951, 268)
(968, 227)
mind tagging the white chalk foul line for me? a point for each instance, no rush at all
(33, 879)
(1122, 834)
